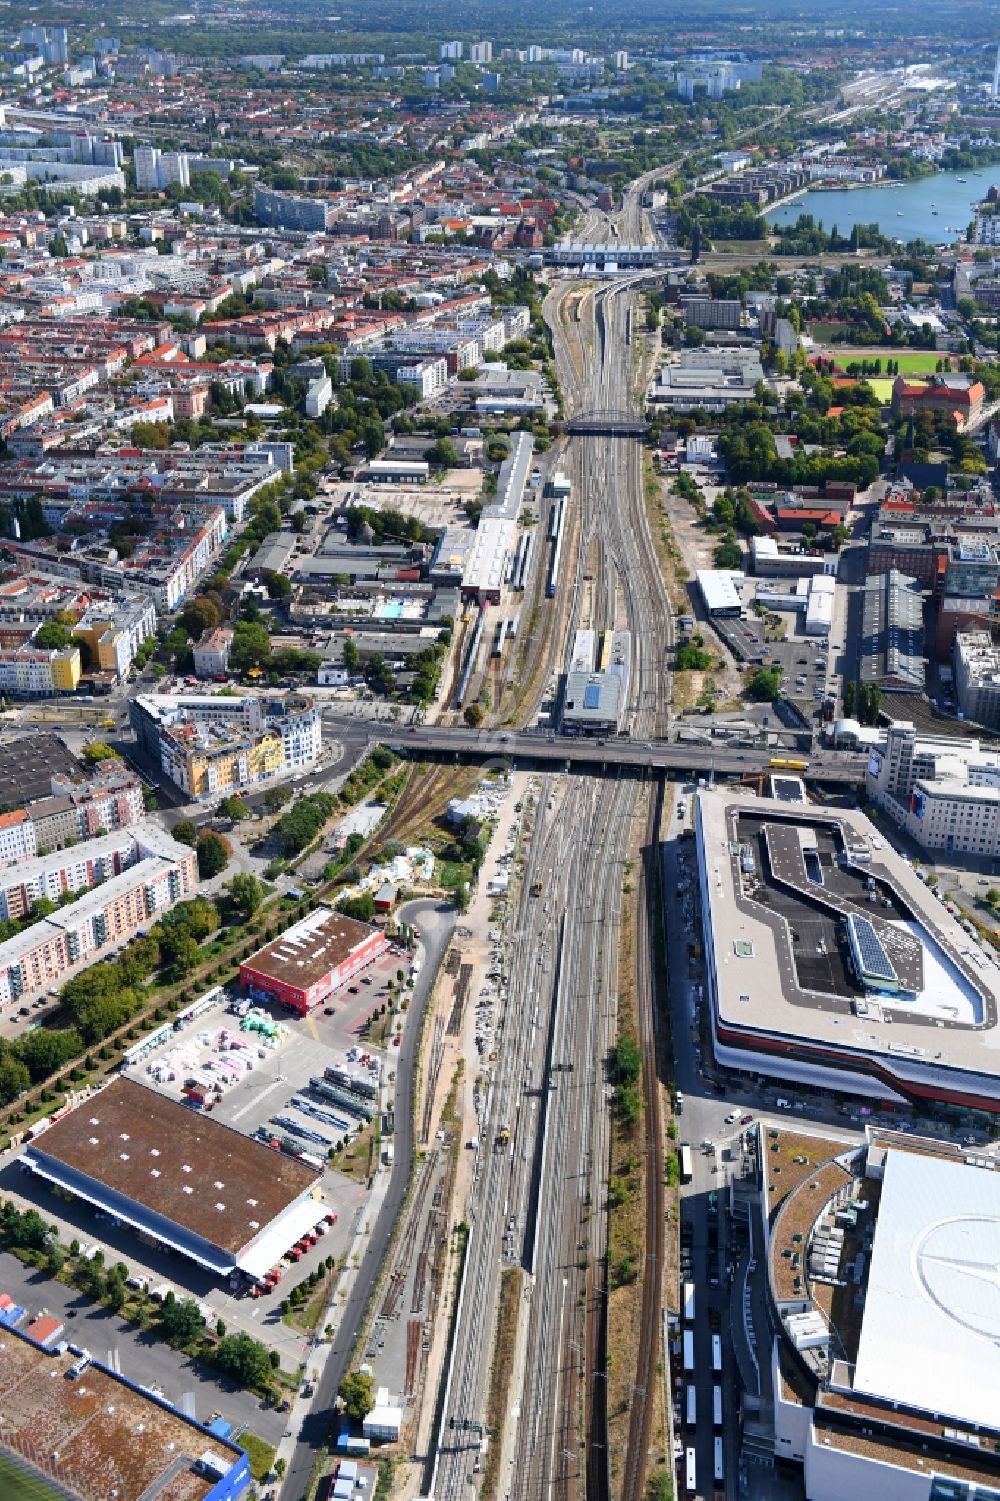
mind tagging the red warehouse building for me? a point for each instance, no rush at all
(314, 958)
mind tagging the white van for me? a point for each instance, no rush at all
(783, 1104)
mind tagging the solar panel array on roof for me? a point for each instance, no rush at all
(869, 954)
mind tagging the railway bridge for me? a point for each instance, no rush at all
(606, 422)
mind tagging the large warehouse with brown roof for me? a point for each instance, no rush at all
(195, 1185)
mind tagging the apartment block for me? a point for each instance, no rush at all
(17, 836)
(84, 866)
(213, 744)
(98, 923)
(211, 653)
(33, 672)
(110, 800)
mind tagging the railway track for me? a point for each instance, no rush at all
(628, 591)
(641, 1415)
(541, 1197)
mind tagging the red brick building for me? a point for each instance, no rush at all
(957, 395)
(313, 959)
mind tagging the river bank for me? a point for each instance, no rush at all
(937, 208)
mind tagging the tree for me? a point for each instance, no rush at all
(357, 1392)
(693, 658)
(180, 1320)
(14, 1076)
(276, 797)
(52, 636)
(200, 615)
(181, 952)
(279, 586)
(185, 831)
(98, 750)
(352, 657)
(473, 715)
(625, 1061)
(361, 908)
(213, 854)
(850, 697)
(251, 645)
(245, 1359)
(728, 554)
(44, 1051)
(442, 455)
(764, 685)
(234, 808)
(246, 893)
(300, 825)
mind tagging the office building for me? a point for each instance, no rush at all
(977, 677)
(712, 312)
(830, 963)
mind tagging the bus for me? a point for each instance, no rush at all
(687, 1166)
(716, 1406)
(689, 1350)
(692, 1406)
(716, 1353)
(691, 1481)
(689, 1302)
(719, 1468)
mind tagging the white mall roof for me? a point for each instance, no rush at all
(930, 1337)
(272, 1243)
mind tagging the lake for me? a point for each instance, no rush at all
(903, 212)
